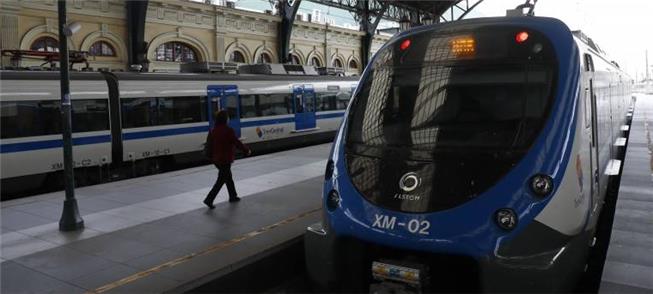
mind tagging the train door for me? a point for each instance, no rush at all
(594, 153)
(304, 104)
(224, 97)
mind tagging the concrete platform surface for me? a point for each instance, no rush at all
(154, 234)
(629, 263)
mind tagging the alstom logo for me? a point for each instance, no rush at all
(409, 182)
(268, 131)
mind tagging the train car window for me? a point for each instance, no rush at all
(139, 112)
(326, 101)
(40, 118)
(179, 110)
(459, 107)
(299, 103)
(274, 104)
(343, 98)
(205, 110)
(248, 106)
(589, 63)
(146, 112)
(90, 115)
(587, 104)
(309, 101)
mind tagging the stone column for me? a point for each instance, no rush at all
(220, 32)
(9, 38)
(327, 47)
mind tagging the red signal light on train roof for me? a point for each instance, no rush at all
(521, 37)
(404, 45)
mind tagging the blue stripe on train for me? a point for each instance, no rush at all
(330, 115)
(163, 133)
(58, 143)
(263, 122)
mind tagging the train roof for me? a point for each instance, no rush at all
(54, 75)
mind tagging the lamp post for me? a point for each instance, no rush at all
(70, 219)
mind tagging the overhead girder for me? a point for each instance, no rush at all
(462, 11)
(396, 10)
(370, 12)
(287, 10)
(369, 20)
(137, 47)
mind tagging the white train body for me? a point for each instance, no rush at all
(152, 115)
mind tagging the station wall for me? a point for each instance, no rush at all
(176, 29)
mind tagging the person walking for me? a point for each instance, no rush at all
(223, 142)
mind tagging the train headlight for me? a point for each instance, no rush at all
(328, 172)
(541, 185)
(333, 200)
(506, 219)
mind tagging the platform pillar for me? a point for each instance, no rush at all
(70, 219)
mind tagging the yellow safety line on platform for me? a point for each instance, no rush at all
(208, 250)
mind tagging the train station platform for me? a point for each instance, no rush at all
(154, 234)
(628, 266)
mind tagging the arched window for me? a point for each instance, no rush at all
(353, 64)
(47, 44)
(175, 51)
(337, 63)
(101, 48)
(315, 62)
(264, 58)
(237, 56)
(294, 59)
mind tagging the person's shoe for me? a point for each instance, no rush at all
(210, 205)
(234, 199)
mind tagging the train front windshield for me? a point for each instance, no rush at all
(443, 115)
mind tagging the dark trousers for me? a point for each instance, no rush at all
(224, 177)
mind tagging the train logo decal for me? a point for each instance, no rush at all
(409, 182)
(272, 131)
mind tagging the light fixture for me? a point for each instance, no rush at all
(506, 219)
(541, 185)
(333, 200)
(328, 172)
(404, 45)
(72, 28)
(521, 37)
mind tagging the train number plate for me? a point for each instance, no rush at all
(413, 226)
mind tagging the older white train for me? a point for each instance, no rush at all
(129, 121)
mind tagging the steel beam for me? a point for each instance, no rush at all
(287, 10)
(369, 20)
(137, 47)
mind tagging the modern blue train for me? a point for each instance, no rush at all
(475, 151)
(127, 124)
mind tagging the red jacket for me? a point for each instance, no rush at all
(224, 144)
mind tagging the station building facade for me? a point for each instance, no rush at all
(176, 32)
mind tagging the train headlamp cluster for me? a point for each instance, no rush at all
(333, 200)
(328, 172)
(404, 45)
(541, 185)
(521, 37)
(506, 219)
